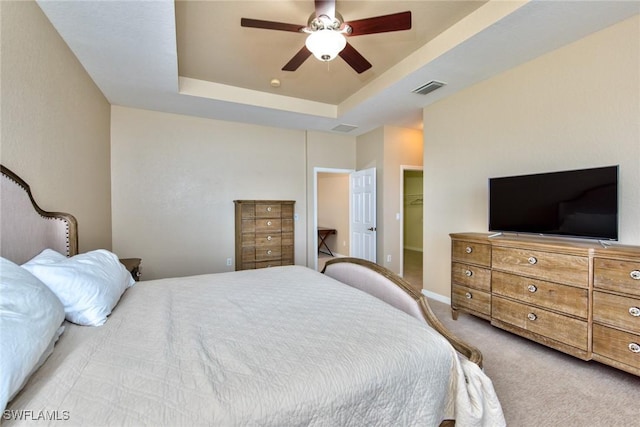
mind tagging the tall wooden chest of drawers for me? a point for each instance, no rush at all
(264, 233)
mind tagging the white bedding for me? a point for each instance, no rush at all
(283, 346)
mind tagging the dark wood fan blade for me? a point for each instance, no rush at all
(297, 59)
(270, 25)
(326, 7)
(381, 24)
(354, 59)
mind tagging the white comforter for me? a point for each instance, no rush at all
(284, 346)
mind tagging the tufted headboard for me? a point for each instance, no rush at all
(26, 229)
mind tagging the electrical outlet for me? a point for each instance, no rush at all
(229, 261)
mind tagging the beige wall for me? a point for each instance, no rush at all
(401, 147)
(324, 151)
(175, 178)
(576, 107)
(333, 210)
(387, 149)
(55, 123)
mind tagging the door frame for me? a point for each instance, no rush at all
(314, 221)
(404, 168)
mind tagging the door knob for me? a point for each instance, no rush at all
(371, 229)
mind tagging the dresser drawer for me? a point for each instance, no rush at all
(617, 345)
(268, 264)
(554, 267)
(287, 238)
(471, 276)
(617, 275)
(566, 299)
(557, 327)
(268, 225)
(264, 225)
(268, 239)
(268, 210)
(267, 253)
(619, 311)
(469, 252)
(471, 299)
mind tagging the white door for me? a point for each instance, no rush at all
(363, 214)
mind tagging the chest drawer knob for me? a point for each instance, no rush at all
(531, 316)
(269, 252)
(634, 311)
(468, 295)
(634, 347)
(269, 222)
(532, 260)
(269, 237)
(468, 249)
(635, 274)
(532, 288)
(468, 273)
(268, 208)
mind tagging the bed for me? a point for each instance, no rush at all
(283, 346)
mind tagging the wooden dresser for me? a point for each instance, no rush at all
(264, 233)
(574, 296)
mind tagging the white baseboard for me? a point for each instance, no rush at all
(436, 297)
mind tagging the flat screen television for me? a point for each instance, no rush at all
(575, 203)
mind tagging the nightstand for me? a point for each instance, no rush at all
(133, 266)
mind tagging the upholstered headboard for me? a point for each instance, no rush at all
(26, 229)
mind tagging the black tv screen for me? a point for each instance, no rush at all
(576, 203)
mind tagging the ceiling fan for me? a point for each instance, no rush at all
(327, 31)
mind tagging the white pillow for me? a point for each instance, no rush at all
(30, 319)
(89, 285)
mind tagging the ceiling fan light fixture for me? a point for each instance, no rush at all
(325, 44)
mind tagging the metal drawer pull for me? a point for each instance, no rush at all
(634, 347)
(532, 288)
(468, 249)
(468, 273)
(634, 311)
(268, 208)
(468, 295)
(269, 252)
(269, 237)
(531, 316)
(532, 260)
(635, 274)
(269, 223)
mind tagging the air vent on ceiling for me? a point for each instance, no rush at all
(428, 87)
(344, 128)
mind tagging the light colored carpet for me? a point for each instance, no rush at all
(538, 386)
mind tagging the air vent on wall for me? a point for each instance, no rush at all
(428, 87)
(344, 128)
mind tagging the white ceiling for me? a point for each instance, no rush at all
(194, 58)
